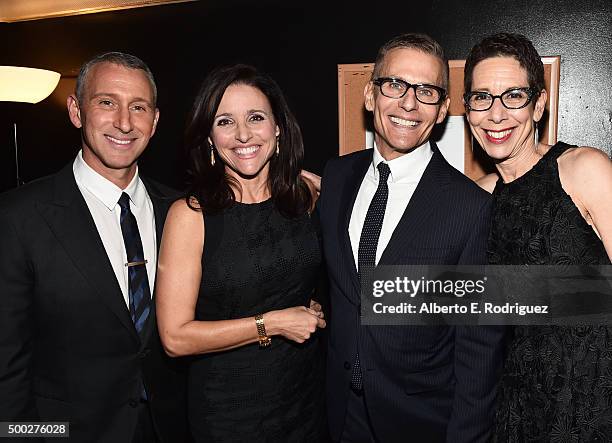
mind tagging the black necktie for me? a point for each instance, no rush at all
(139, 294)
(368, 243)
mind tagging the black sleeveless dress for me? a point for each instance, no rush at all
(255, 260)
(557, 382)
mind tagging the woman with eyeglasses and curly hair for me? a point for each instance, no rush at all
(552, 206)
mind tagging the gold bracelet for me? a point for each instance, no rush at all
(263, 338)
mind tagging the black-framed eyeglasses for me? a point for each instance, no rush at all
(515, 98)
(396, 88)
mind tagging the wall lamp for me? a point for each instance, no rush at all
(25, 85)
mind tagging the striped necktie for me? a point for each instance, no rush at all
(139, 294)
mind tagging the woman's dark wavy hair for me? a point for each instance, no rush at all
(507, 44)
(210, 185)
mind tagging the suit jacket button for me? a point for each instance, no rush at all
(347, 365)
(133, 403)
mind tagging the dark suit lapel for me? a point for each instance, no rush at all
(433, 183)
(69, 218)
(160, 209)
(161, 204)
(349, 195)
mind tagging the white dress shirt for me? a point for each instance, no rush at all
(406, 172)
(102, 197)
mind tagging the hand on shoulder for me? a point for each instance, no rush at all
(183, 208)
(313, 181)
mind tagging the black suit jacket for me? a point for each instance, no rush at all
(421, 383)
(68, 348)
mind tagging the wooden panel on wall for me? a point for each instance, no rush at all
(353, 119)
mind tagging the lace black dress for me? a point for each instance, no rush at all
(255, 260)
(557, 382)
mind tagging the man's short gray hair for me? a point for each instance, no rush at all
(117, 58)
(420, 42)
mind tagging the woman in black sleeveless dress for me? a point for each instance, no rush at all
(238, 266)
(552, 205)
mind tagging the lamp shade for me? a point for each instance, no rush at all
(18, 10)
(28, 85)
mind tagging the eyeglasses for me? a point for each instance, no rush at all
(396, 88)
(515, 98)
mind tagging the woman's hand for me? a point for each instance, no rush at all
(313, 180)
(297, 323)
(315, 306)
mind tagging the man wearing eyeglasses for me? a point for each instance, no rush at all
(401, 203)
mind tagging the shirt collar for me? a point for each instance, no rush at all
(103, 189)
(407, 167)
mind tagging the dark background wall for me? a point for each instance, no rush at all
(300, 45)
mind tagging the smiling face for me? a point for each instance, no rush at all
(504, 133)
(244, 132)
(117, 117)
(404, 124)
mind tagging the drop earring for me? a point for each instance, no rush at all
(277, 150)
(537, 135)
(212, 155)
